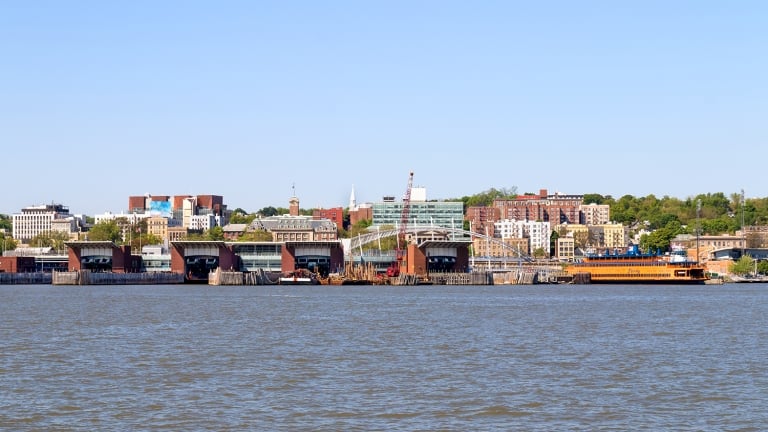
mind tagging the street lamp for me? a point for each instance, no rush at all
(743, 233)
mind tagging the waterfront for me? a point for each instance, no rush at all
(533, 357)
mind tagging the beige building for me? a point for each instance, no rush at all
(711, 242)
(579, 232)
(702, 248)
(158, 226)
(612, 236)
(565, 249)
(287, 228)
(756, 236)
(595, 214)
(177, 233)
(508, 247)
(67, 226)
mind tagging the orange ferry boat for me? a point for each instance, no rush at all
(635, 267)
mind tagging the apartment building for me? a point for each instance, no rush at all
(500, 248)
(565, 249)
(555, 209)
(35, 220)
(482, 218)
(537, 233)
(595, 214)
(593, 237)
(335, 215)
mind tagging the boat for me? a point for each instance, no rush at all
(632, 266)
(753, 277)
(749, 278)
(299, 277)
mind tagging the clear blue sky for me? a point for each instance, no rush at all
(100, 100)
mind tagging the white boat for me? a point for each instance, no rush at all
(299, 277)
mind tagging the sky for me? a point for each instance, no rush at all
(260, 100)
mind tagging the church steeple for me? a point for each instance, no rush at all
(352, 201)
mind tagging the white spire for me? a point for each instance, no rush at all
(352, 201)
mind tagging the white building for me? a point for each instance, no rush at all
(35, 220)
(131, 218)
(537, 233)
(202, 222)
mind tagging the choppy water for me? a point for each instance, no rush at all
(396, 358)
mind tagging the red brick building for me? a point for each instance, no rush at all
(482, 218)
(17, 264)
(555, 209)
(360, 213)
(336, 215)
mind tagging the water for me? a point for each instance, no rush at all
(384, 358)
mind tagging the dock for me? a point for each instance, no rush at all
(85, 277)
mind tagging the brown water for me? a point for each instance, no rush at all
(394, 358)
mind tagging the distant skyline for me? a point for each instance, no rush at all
(249, 100)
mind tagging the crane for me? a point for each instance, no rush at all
(406, 210)
(394, 268)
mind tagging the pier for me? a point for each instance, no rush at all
(37, 278)
(260, 277)
(85, 277)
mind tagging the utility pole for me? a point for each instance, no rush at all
(698, 228)
(743, 233)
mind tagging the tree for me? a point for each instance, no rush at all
(660, 239)
(152, 239)
(486, 198)
(593, 199)
(215, 233)
(359, 228)
(268, 211)
(256, 236)
(581, 239)
(52, 239)
(553, 242)
(721, 225)
(242, 218)
(105, 231)
(762, 267)
(624, 210)
(7, 243)
(745, 265)
(6, 223)
(193, 236)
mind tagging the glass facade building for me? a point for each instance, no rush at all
(443, 214)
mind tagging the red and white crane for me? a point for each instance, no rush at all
(394, 269)
(406, 212)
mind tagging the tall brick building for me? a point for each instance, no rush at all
(555, 209)
(482, 218)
